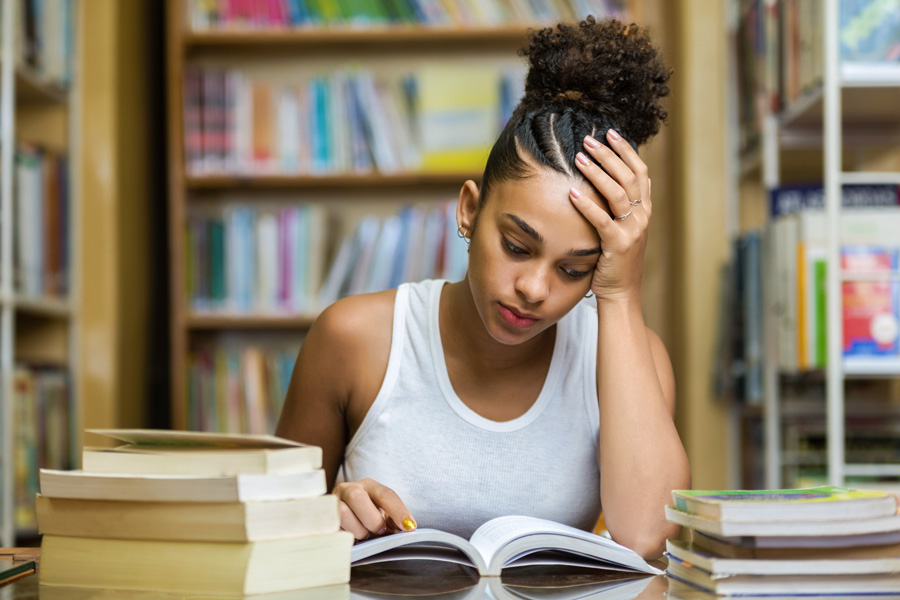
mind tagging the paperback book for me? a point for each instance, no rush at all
(506, 542)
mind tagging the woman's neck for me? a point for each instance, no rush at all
(465, 338)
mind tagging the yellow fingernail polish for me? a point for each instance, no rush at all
(408, 524)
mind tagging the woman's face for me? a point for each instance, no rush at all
(532, 255)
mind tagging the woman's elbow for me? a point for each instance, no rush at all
(649, 544)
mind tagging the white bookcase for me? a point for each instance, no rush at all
(855, 106)
(41, 329)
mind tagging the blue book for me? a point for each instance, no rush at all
(796, 198)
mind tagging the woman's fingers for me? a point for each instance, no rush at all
(592, 211)
(368, 508)
(611, 191)
(627, 155)
(623, 166)
(349, 522)
(393, 507)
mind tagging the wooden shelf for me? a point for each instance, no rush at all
(43, 307)
(348, 180)
(33, 89)
(868, 112)
(344, 36)
(225, 321)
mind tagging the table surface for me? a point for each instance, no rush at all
(438, 581)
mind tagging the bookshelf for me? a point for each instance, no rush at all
(282, 53)
(38, 276)
(833, 128)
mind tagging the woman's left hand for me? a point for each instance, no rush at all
(624, 188)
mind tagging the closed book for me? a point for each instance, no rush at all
(188, 521)
(808, 504)
(12, 570)
(717, 565)
(340, 591)
(812, 529)
(197, 567)
(144, 460)
(727, 549)
(737, 584)
(181, 488)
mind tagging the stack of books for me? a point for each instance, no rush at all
(193, 513)
(813, 541)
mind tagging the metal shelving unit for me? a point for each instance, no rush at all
(23, 90)
(856, 106)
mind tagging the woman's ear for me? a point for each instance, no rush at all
(466, 207)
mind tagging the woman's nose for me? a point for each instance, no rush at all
(534, 285)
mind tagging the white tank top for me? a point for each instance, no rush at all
(453, 468)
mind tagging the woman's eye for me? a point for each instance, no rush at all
(512, 248)
(573, 274)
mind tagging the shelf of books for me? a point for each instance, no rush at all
(37, 278)
(778, 342)
(317, 150)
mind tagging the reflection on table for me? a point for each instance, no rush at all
(412, 579)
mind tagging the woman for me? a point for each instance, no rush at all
(447, 404)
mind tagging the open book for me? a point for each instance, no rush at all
(502, 543)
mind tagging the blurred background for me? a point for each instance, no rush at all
(185, 184)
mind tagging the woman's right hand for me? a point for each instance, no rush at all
(369, 508)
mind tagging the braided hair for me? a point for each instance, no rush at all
(583, 80)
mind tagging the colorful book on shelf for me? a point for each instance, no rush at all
(869, 31)
(785, 505)
(797, 198)
(238, 388)
(871, 309)
(255, 260)
(277, 14)
(458, 116)
(41, 408)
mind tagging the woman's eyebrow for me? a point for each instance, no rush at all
(529, 230)
(588, 252)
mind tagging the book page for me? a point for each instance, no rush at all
(425, 544)
(506, 540)
(500, 531)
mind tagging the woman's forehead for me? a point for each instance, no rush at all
(542, 201)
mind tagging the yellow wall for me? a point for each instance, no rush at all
(698, 159)
(112, 254)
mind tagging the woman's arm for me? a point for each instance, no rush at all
(320, 389)
(640, 455)
(336, 377)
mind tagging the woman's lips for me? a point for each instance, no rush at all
(516, 318)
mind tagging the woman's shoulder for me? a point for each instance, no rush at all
(355, 323)
(352, 339)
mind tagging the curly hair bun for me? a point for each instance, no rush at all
(602, 66)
